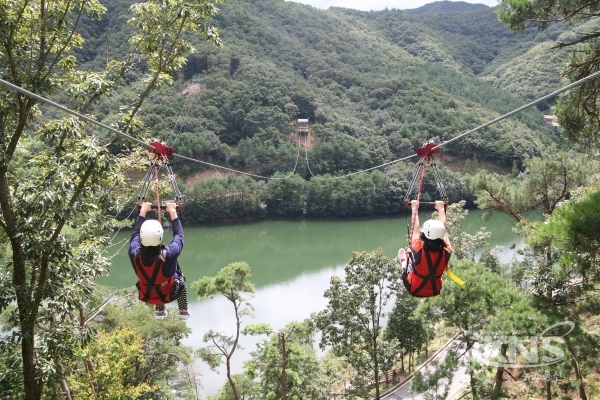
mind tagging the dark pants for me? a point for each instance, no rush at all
(179, 292)
(405, 277)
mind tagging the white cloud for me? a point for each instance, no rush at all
(381, 4)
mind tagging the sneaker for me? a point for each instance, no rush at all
(184, 314)
(402, 256)
(161, 315)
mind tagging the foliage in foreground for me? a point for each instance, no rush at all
(233, 283)
(353, 325)
(60, 182)
(113, 356)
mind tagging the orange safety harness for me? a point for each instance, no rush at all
(154, 287)
(426, 274)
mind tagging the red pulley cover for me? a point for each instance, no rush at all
(426, 149)
(160, 147)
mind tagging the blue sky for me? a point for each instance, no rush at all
(380, 4)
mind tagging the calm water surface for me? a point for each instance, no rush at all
(291, 263)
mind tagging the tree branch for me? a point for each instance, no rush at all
(159, 70)
(56, 57)
(102, 306)
(560, 45)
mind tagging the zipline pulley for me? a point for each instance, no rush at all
(162, 151)
(426, 152)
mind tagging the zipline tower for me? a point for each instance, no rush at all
(302, 126)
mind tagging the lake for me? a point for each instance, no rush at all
(291, 263)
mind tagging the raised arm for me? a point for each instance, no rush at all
(416, 227)
(134, 243)
(439, 206)
(176, 245)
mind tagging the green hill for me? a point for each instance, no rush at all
(446, 7)
(375, 85)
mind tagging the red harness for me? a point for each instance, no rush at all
(426, 277)
(153, 286)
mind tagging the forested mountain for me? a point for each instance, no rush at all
(445, 7)
(375, 85)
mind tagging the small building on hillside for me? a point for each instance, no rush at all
(302, 126)
(551, 119)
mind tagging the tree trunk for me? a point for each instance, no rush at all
(402, 362)
(499, 378)
(473, 382)
(582, 394)
(27, 316)
(376, 365)
(63, 383)
(65, 388)
(283, 368)
(33, 386)
(232, 297)
(230, 379)
(472, 374)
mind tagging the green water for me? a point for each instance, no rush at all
(278, 251)
(292, 263)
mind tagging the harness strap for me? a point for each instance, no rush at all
(432, 276)
(454, 277)
(156, 189)
(150, 281)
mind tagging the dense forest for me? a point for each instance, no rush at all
(224, 83)
(374, 86)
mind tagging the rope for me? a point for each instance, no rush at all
(541, 99)
(156, 189)
(242, 172)
(69, 111)
(187, 103)
(352, 173)
(526, 106)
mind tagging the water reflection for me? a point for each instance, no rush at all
(291, 264)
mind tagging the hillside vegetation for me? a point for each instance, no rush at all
(375, 84)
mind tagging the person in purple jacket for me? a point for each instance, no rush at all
(160, 279)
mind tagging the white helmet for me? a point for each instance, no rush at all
(433, 229)
(151, 233)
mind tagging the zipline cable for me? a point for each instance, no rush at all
(75, 113)
(69, 111)
(546, 97)
(241, 172)
(517, 110)
(146, 145)
(187, 103)
(352, 173)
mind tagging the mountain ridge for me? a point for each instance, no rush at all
(446, 7)
(381, 82)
